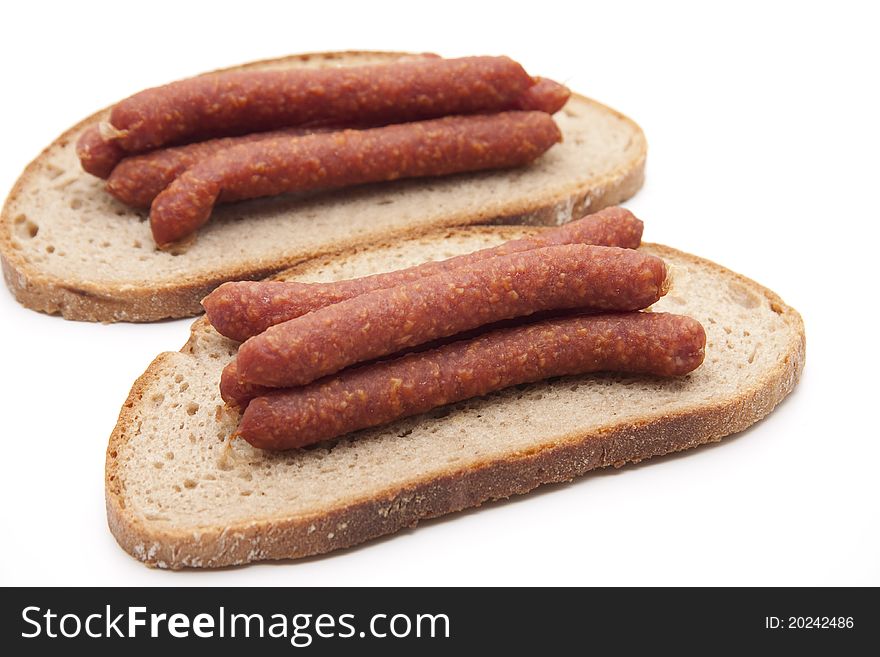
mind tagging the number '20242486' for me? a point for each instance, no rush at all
(809, 622)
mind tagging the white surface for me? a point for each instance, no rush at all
(763, 132)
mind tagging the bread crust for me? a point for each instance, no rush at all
(396, 508)
(86, 301)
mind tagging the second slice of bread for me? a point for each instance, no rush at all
(68, 247)
(180, 493)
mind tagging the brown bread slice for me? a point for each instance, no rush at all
(180, 494)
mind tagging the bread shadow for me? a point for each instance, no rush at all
(542, 490)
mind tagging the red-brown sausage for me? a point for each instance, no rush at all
(237, 102)
(138, 179)
(544, 96)
(638, 343)
(241, 310)
(97, 156)
(350, 157)
(386, 321)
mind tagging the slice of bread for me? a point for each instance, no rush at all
(180, 493)
(68, 247)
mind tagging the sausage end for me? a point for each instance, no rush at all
(97, 156)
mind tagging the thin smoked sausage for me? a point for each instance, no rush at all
(238, 102)
(639, 343)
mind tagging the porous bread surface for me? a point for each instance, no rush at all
(68, 247)
(180, 493)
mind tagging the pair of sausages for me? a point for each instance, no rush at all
(284, 164)
(638, 343)
(390, 320)
(240, 310)
(241, 102)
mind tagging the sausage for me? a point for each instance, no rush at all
(138, 179)
(238, 102)
(636, 343)
(240, 310)
(544, 96)
(97, 156)
(383, 322)
(350, 157)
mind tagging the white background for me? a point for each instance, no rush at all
(762, 122)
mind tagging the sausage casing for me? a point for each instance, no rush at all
(240, 310)
(386, 321)
(642, 343)
(350, 157)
